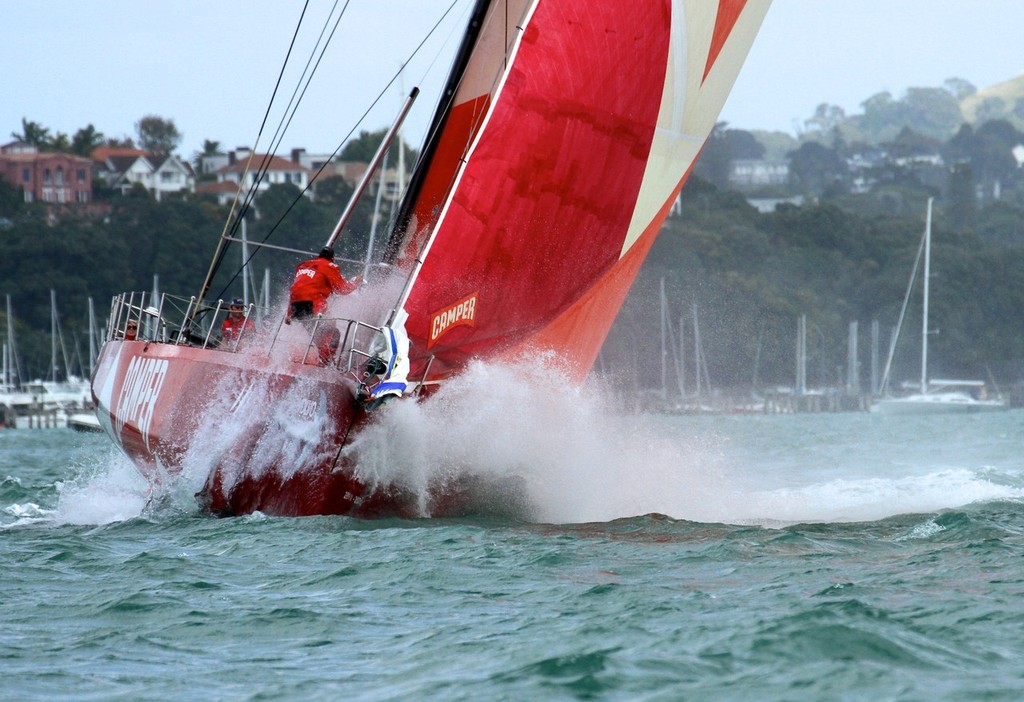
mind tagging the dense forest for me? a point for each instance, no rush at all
(838, 249)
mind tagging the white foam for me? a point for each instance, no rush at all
(579, 462)
(579, 458)
(582, 461)
(28, 511)
(871, 498)
(106, 491)
(922, 531)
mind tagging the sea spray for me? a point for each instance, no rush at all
(103, 489)
(255, 427)
(577, 460)
(857, 499)
(527, 443)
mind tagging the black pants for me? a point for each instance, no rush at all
(302, 310)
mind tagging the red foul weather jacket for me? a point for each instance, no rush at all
(231, 329)
(314, 282)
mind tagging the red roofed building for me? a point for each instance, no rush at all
(50, 176)
(223, 190)
(102, 153)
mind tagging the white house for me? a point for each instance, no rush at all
(123, 168)
(123, 172)
(753, 172)
(314, 162)
(242, 172)
(170, 175)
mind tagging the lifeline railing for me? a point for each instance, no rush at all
(135, 317)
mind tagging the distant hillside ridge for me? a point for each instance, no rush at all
(1001, 101)
(931, 112)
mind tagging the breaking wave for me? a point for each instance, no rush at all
(542, 449)
(579, 459)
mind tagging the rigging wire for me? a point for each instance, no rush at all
(234, 220)
(218, 257)
(291, 108)
(344, 140)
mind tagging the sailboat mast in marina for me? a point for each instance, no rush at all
(561, 138)
(933, 396)
(925, 287)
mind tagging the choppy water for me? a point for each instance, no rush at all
(804, 557)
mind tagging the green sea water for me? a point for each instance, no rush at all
(800, 557)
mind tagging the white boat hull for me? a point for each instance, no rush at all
(85, 422)
(936, 403)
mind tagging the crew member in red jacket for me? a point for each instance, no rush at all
(235, 323)
(314, 282)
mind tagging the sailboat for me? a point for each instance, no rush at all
(697, 402)
(935, 396)
(64, 390)
(566, 131)
(12, 396)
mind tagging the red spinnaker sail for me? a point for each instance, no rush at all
(572, 131)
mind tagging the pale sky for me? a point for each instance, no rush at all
(210, 65)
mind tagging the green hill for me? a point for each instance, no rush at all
(1001, 101)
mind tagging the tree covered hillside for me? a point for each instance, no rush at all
(751, 275)
(848, 193)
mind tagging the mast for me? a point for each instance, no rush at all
(669, 343)
(14, 372)
(874, 356)
(152, 323)
(664, 351)
(7, 341)
(697, 355)
(92, 337)
(245, 265)
(266, 290)
(924, 306)
(853, 359)
(376, 213)
(681, 364)
(385, 144)
(401, 165)
(53, 335)
(883, 388)
(801, 355)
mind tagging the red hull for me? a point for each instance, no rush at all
(250, 432)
